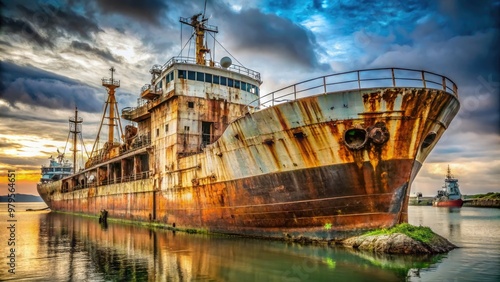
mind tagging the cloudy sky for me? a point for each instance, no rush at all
(53, 54)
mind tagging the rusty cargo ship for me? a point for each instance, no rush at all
(324, 158)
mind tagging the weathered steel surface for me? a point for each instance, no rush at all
(283, 171)
(300, 202)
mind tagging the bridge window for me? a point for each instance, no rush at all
(181, 73)
(208, 78)
(216, 79)
(200, 76)
(170, 76)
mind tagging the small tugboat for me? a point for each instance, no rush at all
(449, 195)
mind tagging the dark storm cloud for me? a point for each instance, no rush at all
(7, 112)
(102, 53)
(25, 30)
(59, 21)
(2, 42)
(35, 87)
(257, 32)
(43, 23)
(145, 10)
(466, 17)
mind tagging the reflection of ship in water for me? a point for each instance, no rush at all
(130, 252)
(449, 195)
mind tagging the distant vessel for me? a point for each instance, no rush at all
(323, 158)
(449, 195)
(58, 168)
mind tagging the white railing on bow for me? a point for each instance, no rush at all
(359, 79)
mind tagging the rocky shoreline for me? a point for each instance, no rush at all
(398, 243)
(483, 203)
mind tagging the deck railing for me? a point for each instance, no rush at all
(109, 82)
(127, 178)
(100, 156)
(359, 79)
(236, 68)
(151, 89)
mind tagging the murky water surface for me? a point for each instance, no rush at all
(59, 247)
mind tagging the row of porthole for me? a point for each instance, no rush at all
(357, 138)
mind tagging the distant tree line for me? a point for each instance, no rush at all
(489, 195)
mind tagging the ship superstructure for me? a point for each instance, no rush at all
(449, 195)
(57, 169)
(323, 158)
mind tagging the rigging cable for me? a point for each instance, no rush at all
(227, 51)
(189, 40)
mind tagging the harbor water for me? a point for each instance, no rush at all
(60, 247)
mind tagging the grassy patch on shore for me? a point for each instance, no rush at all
(420, 233)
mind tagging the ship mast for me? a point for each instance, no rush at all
(200, 27)
(75, 128)
(111, 84)
(448, 175)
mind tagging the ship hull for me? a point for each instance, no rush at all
(286, 172)
(324, 203)
(319, 203)
(449, 203)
